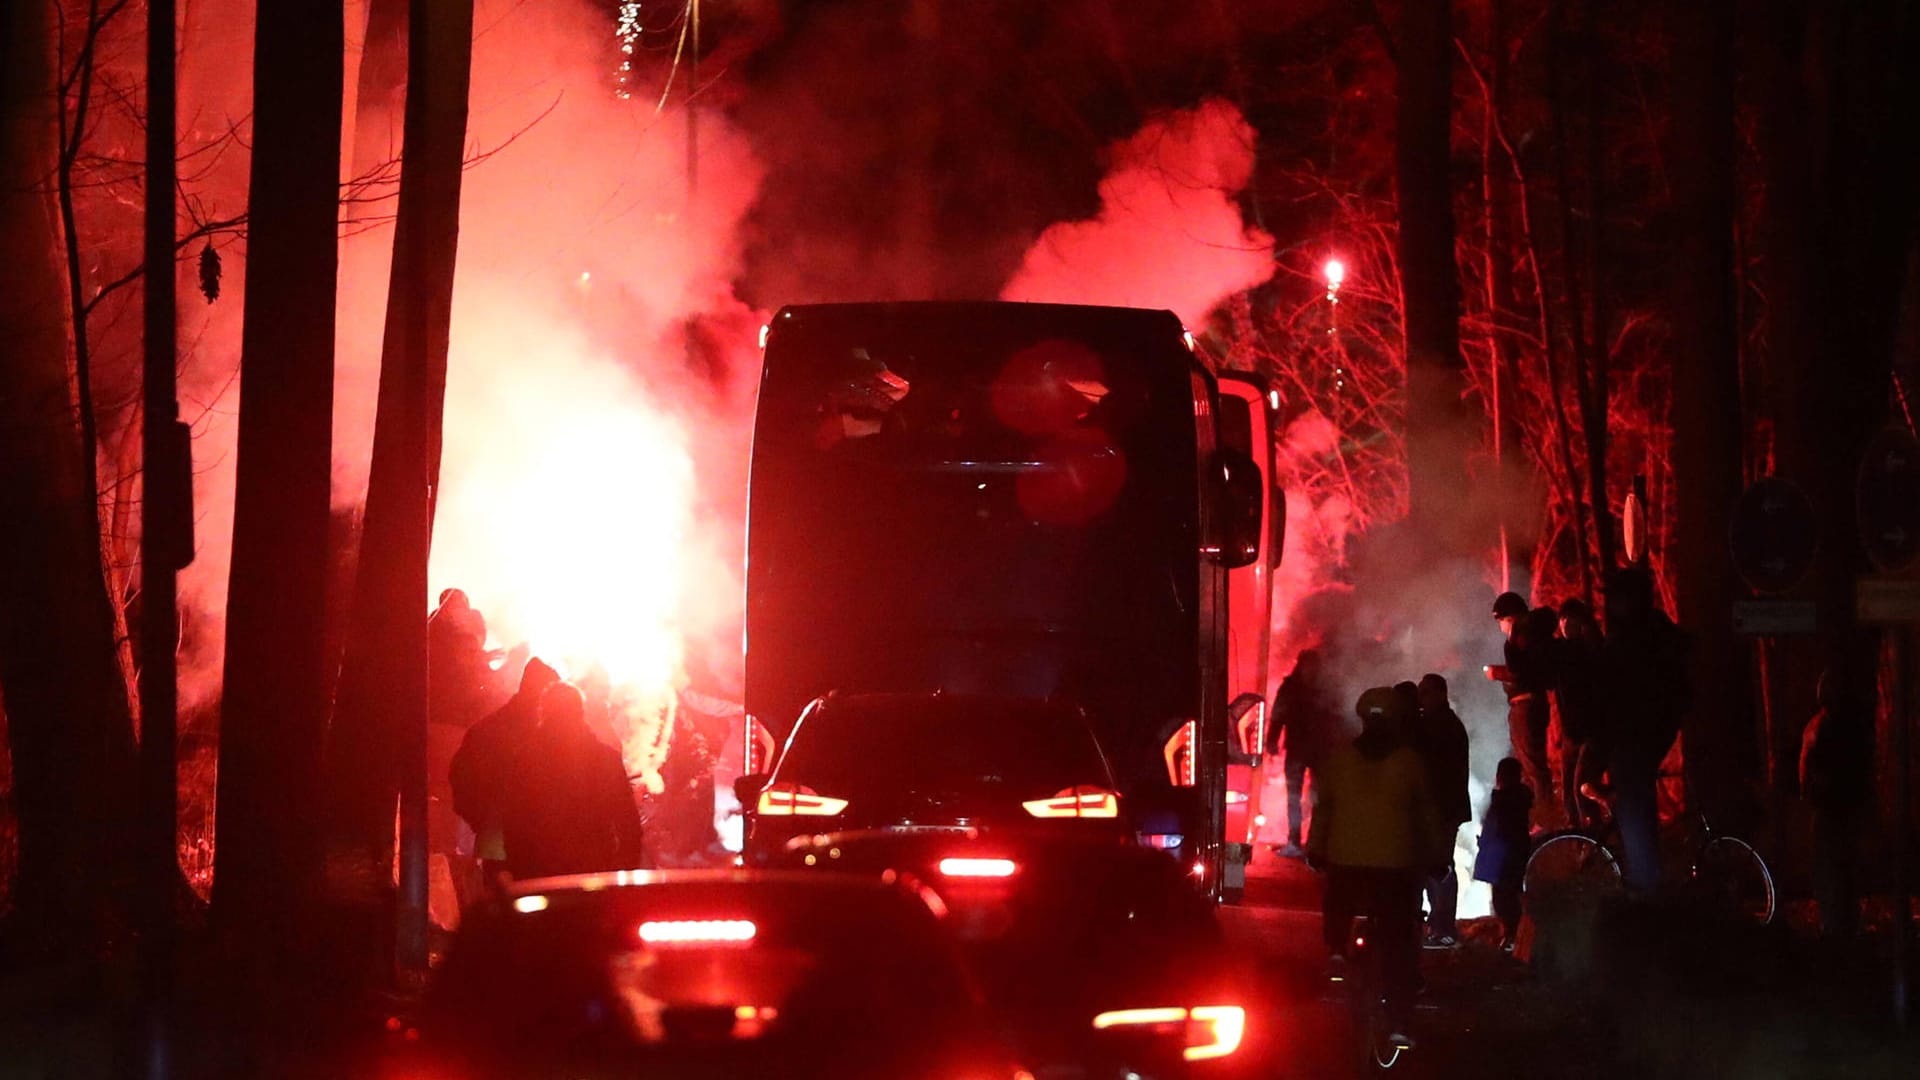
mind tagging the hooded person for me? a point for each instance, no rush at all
(1306, 723)
(1643, 666)
(1376, 834)
(1441, 740)
(483, 766)
(569, 808)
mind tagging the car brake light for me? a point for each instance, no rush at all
(1207, 1031)
(784, 800)
(980, 868)
(698, 932)
(1086, 802)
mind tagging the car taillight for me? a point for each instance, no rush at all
(783, 800)
(1206, 1031)
(978, 868)
(698, 932)
(1086, 802)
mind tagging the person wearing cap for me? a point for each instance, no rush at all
(1376, 833)
(1527, 677)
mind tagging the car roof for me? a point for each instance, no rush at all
(942, 316)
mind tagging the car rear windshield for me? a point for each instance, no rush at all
(926, 746)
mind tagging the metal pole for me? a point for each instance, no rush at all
(1903, 825)
(165, 508)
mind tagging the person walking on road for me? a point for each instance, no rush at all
(1375, 834)
(1441, 740)
(1836, 779)
(569, 809)
(482, 769)
(1643, 666)
(1581, 695)
(1505, 844)
(1305, 722)
(1527, 676)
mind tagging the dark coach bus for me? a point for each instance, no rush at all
(1012, 499)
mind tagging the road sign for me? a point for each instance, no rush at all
(1774, 535)
(1888, 500)
(1887, 600)
(1774, 618)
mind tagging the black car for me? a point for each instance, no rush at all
(1100, 959)
(708, 974)
(933, 763)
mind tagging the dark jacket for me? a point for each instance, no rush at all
(570, 809)
(1529, 656)
(1441, 740)
(1304, 720)
(1580, 688)
(1643, 669)
(484, 763)
(1836, 759)
(1505, 842)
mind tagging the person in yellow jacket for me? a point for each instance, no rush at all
(1376, 834)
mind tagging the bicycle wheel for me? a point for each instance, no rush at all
(1734, 880)
(1570, 868)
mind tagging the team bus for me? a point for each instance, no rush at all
(1011, 499)
(1249, 414)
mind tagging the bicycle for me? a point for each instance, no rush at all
(1373, 1049)
(1577, 865)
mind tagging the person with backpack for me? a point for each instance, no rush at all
(483, 767)
(1376, 835)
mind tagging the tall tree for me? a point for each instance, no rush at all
(273, 714)
(379, 735)
(68, 722)
(1706, 417)
(1439, 433)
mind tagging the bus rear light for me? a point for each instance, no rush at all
(1076, 802)
(698, 932)
(978, 868)
(1235, 797)
(1208, 1031)
(787, 800)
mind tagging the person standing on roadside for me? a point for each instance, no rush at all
(1306, 724)
(1527, 677)
(1441, 740)
(482, 770)
(1375, 834)
(1505, 845)
(569, 809)
(1836, 779)
(1581, 695)
(1643, 666)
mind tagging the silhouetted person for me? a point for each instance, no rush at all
(1581, 693)
(569, 809)
(1505, 844)
(1307, 723)
(1441, 740)
(1643, 666)
(1836, 779)
(1527, 676)
(1375, 833)
(482, 772)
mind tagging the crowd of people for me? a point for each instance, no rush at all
(1388, 804)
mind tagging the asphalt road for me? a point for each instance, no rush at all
(1482, 1013)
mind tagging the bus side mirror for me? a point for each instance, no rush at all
(747, 790)
(1239, 508)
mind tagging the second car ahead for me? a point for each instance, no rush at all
(933, 763)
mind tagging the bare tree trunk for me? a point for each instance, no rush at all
(68, 724)
(1706, 394)
(273, 716)
(1496, 194)
(1439, 433)
(378, 743)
